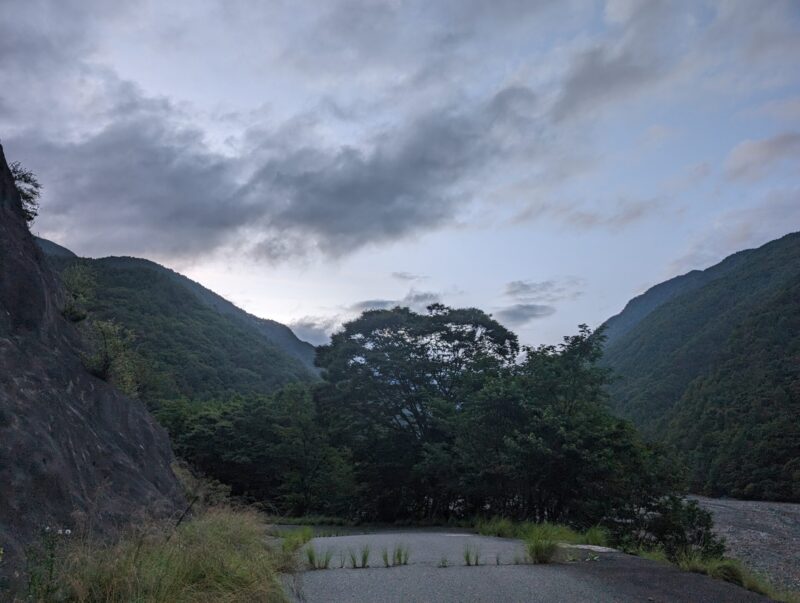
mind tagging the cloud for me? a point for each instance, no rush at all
(416, 300)
(550, 291)
(316, 330)
(408, 276)
(611, 215)
(733, 231)
(149, 185)
(521, 314)
(752, 159)
(599, 75)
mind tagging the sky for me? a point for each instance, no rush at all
(543, 160)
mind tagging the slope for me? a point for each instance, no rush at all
(714, 369)
(196, 344)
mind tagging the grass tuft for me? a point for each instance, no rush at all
(540, 550)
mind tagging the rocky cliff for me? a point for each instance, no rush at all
(73, 450)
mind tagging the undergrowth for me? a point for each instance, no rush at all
(220, 555)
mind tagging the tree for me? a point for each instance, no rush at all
(29, 188)
(396, 380)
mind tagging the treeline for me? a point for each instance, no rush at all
(442, 416)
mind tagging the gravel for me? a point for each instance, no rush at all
(765, 536)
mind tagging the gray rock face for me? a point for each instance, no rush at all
(72, 448)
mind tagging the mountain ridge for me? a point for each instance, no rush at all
(681, 371)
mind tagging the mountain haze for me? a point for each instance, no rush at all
(710, 362)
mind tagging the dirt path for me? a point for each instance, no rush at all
(763, 535)
(597, 576)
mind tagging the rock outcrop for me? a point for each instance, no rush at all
(72, 448)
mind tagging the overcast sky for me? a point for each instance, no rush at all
(543, 160)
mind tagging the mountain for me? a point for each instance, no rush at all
(710, 362)
(195, 344)
(73, 450)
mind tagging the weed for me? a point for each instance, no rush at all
(353, 558)
(317, 562)
(540, 550)
(365, 556)
(472, 555)
(443, 562)
(385, 557)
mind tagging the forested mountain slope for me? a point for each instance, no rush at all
(196, 344)
(710, 362)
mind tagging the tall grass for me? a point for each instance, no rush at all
(220, 556)
(505, 528)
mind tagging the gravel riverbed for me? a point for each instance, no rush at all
(765, 536)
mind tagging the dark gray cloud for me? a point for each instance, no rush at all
(551, 290)
(518, 315)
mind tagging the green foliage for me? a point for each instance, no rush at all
(190, 350)
(540, 549)
(29, 188)
(596, 536)
(268, 448)
(79, 287)
(294, 539)
(112, 357)
(712, 371)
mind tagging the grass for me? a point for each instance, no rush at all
(359, 560)
(721, 568)
(219, 556)
(316, 561)
(540, 550)
(294, 539)
(505, 528)
(472, 555)
(311, 520)
(443, 562)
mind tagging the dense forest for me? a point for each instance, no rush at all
(710, 363)
(184, 341)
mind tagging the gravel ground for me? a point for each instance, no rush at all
(765, 536)
(608, 576)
